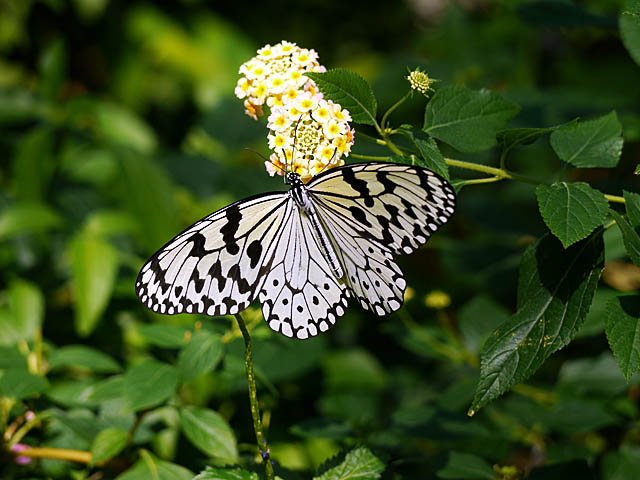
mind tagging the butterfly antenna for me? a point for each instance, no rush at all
(284, 175)
(263, 157)
(295, 138)
(329, 162)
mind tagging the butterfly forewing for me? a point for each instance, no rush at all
(398, 205)
(217, 265)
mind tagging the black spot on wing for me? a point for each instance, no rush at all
(359, 215)
(230, 228)
(254, 250)
(357, 184)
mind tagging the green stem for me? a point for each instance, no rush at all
(253, 398)
(383, 122)
(369, 157)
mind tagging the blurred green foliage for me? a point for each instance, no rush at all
(118, 128)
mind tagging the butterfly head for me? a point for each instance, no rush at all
(294, 179)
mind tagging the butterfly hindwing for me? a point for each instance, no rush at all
(300, 296)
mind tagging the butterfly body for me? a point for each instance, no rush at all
(305, 252)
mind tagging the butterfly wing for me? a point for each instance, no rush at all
(373, 211)
(400, 206)
(217, 265)
(300, 296)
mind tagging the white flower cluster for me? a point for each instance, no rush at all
(307, 133)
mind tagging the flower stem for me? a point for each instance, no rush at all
(253, 398)
(383, 122)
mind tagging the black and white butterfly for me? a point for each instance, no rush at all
(304, 252)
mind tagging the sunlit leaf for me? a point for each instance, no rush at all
(107, 444)
(208, 431)
(84, 357)
(148, 384)
(594, 143)
(23, 314)
(349, 90)
(359, 463)
(466, 119)
(94, 265)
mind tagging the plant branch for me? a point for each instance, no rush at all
(383, 122)
(253, 398)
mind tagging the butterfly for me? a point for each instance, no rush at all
(303, 252)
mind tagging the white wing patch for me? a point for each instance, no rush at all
(300, 297)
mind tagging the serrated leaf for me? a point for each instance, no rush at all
(629, 236)
(359, 463)
(629, 23)
(632, 204)
(149, 384)
(82, 356)
(430, 156)
(622, 326)
(18, 384)
(107, 444)
(200, 355)
(219, 473)
(555, 290)
(571, 210)
(349, 90)
(23, 314)
(465, 466)
(150, 467)
(94, 265)
(594, 143)
(167, 336)
(466, 119)
(208, 431)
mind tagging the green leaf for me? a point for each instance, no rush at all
(463, 465)
(219, 473)
(144, 186)
(167, 336)
(629, 236)
(94, 265)
(594, 143)
(468, 120)
(85, 357)
(18, 384)
(629, 23)
(150, 467)
(525, 136)
(353, 370)
(322, 428)
(555, 290)
(632, 203)
(349, 90)
(11, 357)
(107, 444)
(621, 465)
(623, 332)
(33, 164)
(571, 210)
(359, 464)
(27, 218)
(208, 431)
(23, 315)
(430, 156)
(73, 393)
(200, 355)
(111, 388)
(149, 384)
